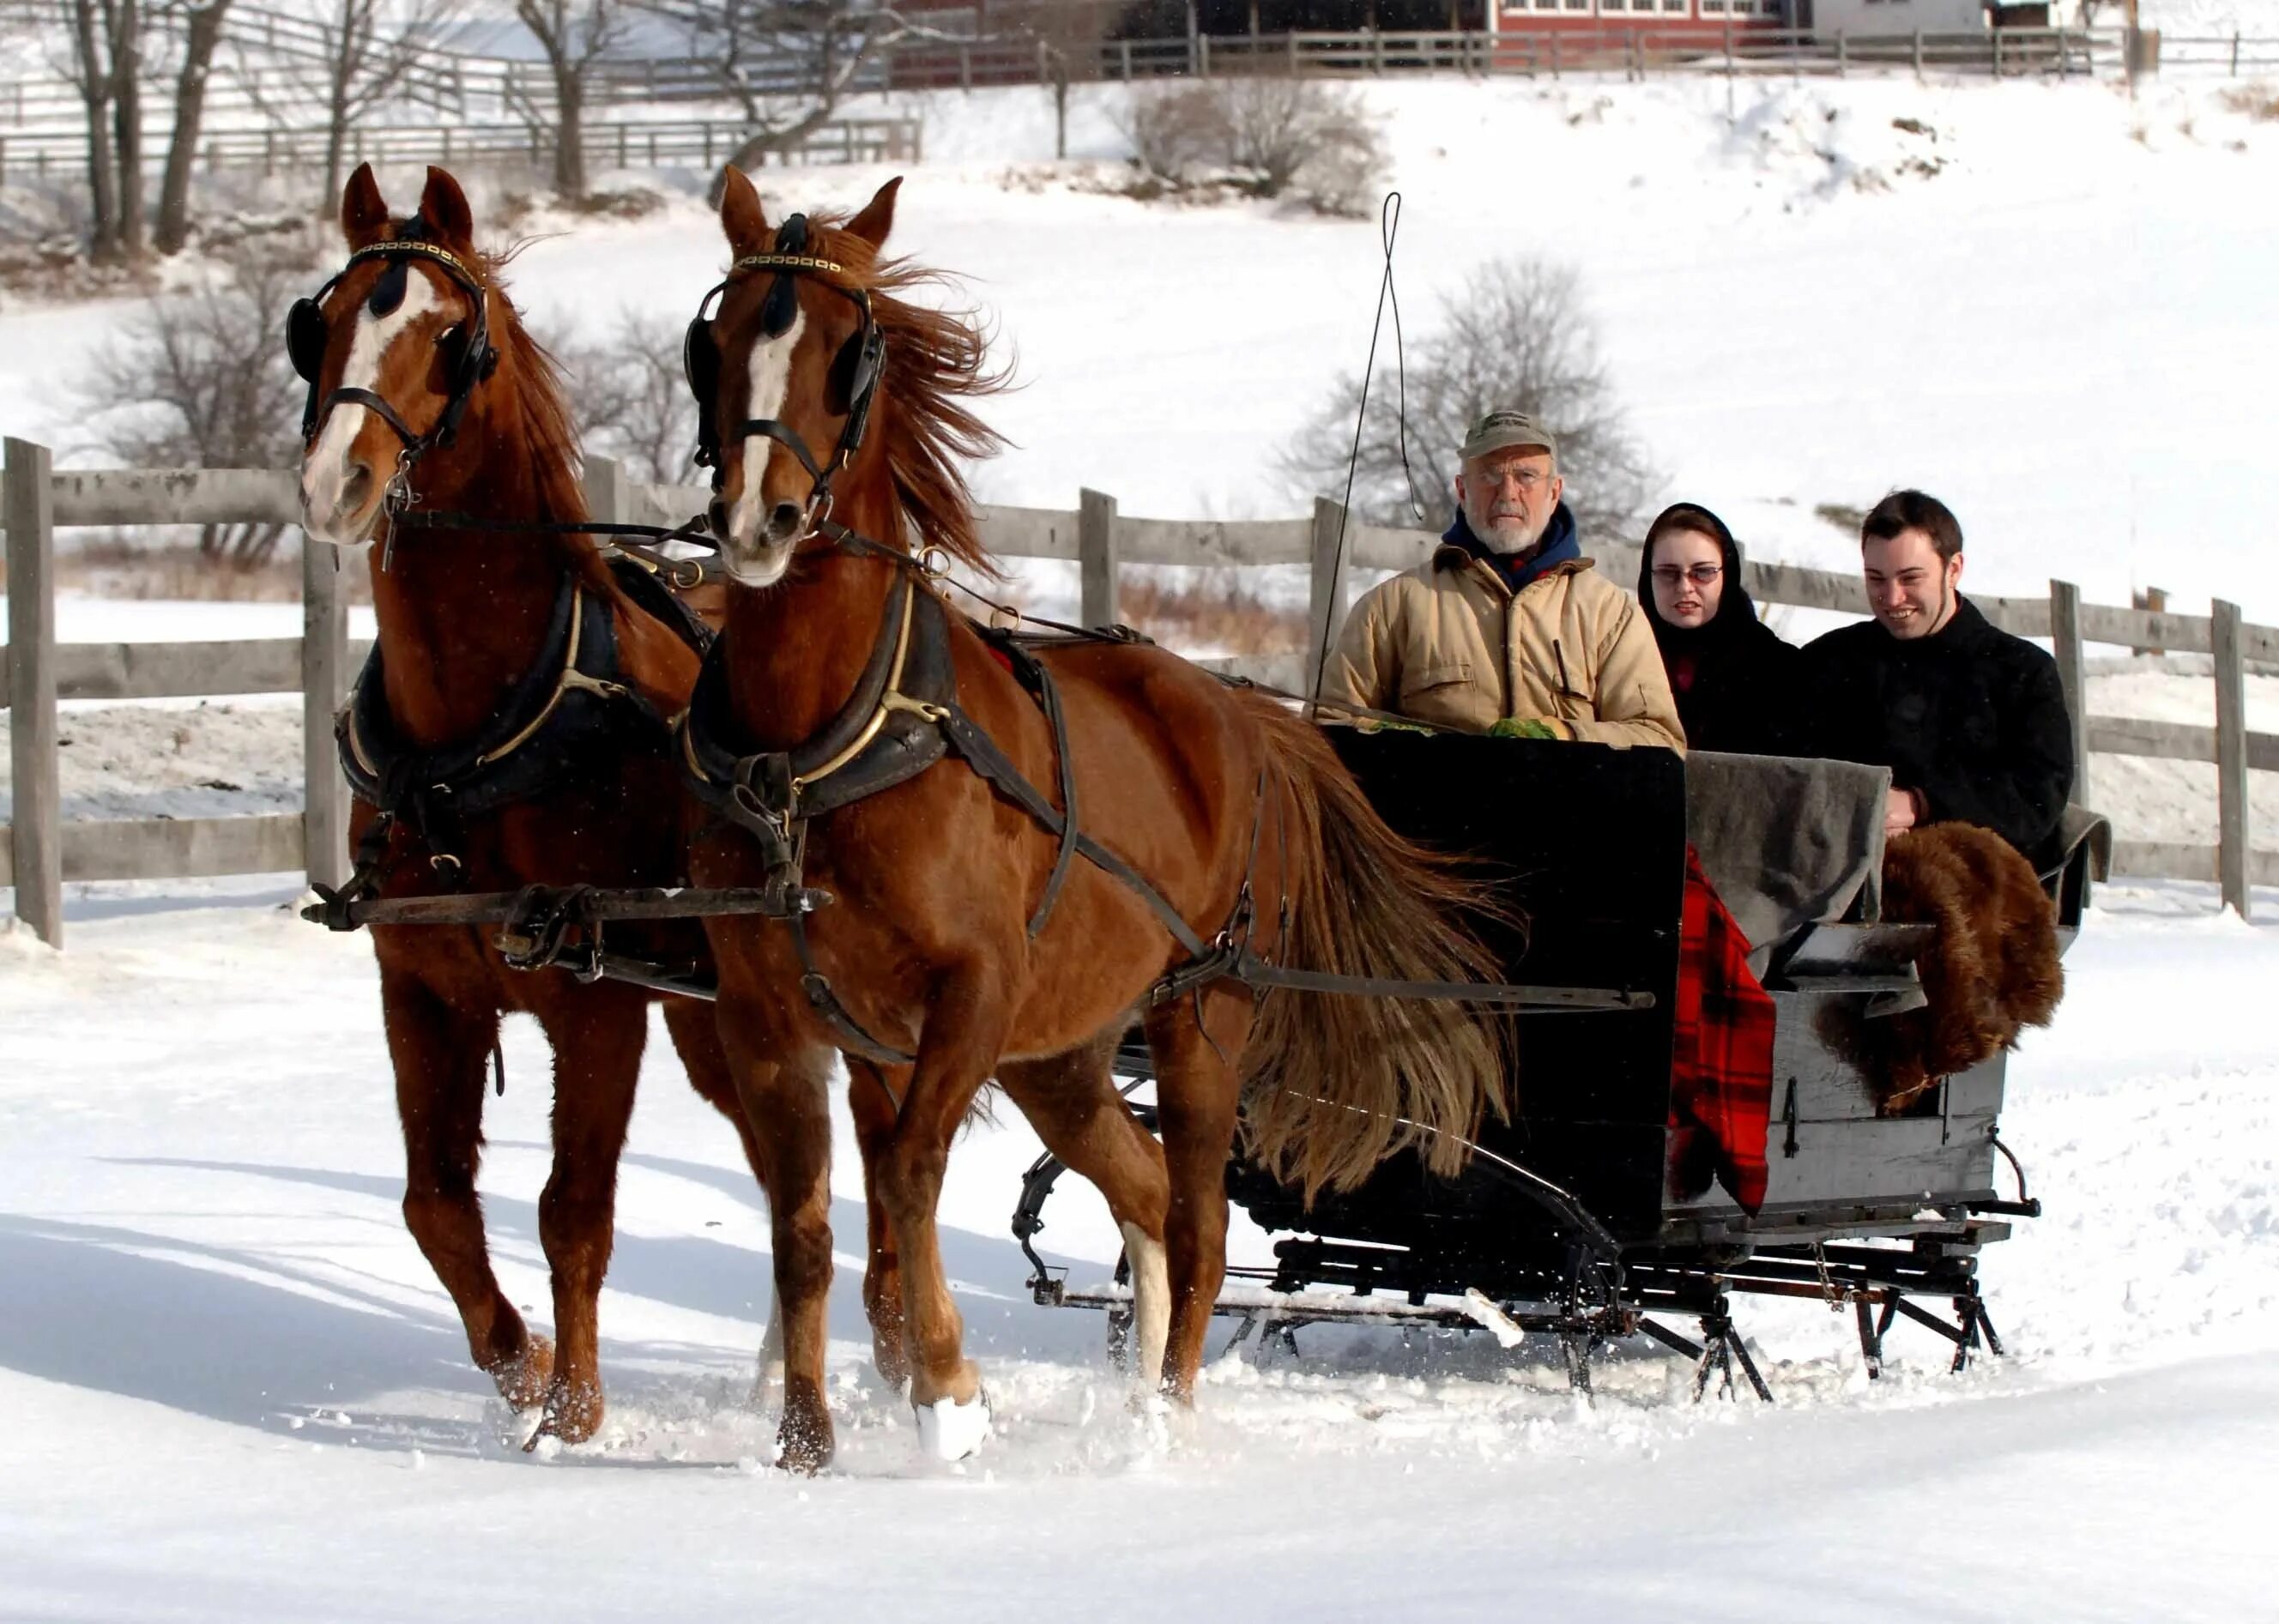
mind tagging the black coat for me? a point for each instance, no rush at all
(1971, 716)
(1733, 678)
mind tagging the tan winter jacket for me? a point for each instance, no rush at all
(1448, 643)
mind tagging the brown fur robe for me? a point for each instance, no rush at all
(1993, 968)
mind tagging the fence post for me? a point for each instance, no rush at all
(2230, 758)
(2073, 675)
(2154, 599)
(1918, 54)
(606, 496)
(324, 685)
(1095, 554)
(2235, 54)
(1842, 62)
(35, 825)
(1326, 609)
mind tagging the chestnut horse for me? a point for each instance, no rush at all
(421, 378)
(959, 935)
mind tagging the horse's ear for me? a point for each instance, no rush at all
(741, 216)
(877, 216)
(364, 211)
(444, 207)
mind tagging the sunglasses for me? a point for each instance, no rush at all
(1700, 574)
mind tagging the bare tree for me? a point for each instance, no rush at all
(1066, 34)
(125, 21)
(202, 381)
(90, 68)
(788, 63)
(367, 51)
(1517, 334)
(631, 400)
(575, 34)
(202, 38)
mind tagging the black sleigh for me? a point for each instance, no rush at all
(1580, 1219)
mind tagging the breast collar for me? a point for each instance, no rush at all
(568, 708)
(887, 733)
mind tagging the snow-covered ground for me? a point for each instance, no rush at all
(235, 1391)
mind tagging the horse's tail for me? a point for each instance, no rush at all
(1335, 1083)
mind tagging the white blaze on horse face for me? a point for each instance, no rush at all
(771, 381)
(1151, 1302)
(327, 471)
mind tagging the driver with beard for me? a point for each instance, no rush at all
(1971, 720)
(1508, 629)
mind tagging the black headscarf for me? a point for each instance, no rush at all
(1732, 677)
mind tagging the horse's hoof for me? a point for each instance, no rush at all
(522, 1381)
(803, 1451)
(948, 1430)
(573, 1414)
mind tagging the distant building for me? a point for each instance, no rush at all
(1867, 19)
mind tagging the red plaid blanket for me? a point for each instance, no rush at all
(1722, 1070)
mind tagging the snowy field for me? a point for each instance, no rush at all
(235, 1390)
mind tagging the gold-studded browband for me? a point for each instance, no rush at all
(423, 250)
(787, 261)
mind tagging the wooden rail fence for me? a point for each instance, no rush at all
(43, 850)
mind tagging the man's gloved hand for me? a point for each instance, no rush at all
(1372, 724)
(1523, 727)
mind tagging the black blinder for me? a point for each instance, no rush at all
(854, 370)
(700, 362)
(305, 338)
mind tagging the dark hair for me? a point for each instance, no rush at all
(1689, 517)
(1904, 510)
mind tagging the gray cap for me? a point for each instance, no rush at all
(1500, 431)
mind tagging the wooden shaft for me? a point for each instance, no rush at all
(324, 686)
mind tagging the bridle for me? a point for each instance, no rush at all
(468, 358)
(855, 372)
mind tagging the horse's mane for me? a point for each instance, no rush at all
(936, 361)
(547, 430)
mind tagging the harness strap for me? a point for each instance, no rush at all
(992, 765)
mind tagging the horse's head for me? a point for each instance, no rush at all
(786, 373)
(395, 348)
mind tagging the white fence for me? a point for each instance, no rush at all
(42, 851)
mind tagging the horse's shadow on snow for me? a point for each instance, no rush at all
(252, 1337)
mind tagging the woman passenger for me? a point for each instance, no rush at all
(1733, 678)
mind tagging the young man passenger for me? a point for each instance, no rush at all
(1971, 720)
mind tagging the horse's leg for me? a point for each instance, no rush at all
(439, 1053)
(1197, 1098)
(965, 1028)
(1072, 1102)
(696, 1036)
(597, 1034)
(785, 1092)
(872, 1093)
